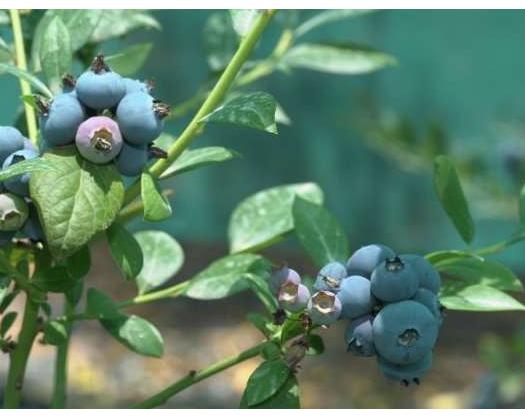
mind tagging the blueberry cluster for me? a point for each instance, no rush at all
(17, 212)
(108, 117)
(389, 300)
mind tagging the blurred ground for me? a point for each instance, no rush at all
(104, 374)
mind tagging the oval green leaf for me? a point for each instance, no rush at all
(55, 52)
(457, 295)
(156, 206)
(125, 250)
(129, 60)
(266, 381)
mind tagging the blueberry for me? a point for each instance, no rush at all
(293, 297)
(60, 119)
(32, 227)
(280, 276)
(324, 308)
(11, 140)
(394, 280)
(407, 373)
(330, 276)
(365, 259)
(430, 301)
(19, 184)
(131, 159)
(359, 336)
(100, 88)
(99, 140)
(428, 276)
(6, 237)
(13, 212)
(404, 332)
(133, 86)
(355, 297)
(140, 117)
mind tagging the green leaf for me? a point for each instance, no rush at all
(482, 272)
(7, 321)
(327, 16)
(30, 78)
(265, 381)
(26, 166)
(337, 59)
(445, 256)
(319, 232)
(137, 334)
(220, 40)
(457, 296)
(4, 287)
(199, 157)
(261, 323)
(316, 345)
(292, 328)
(522, 206)
(260, 288)
(53, 279)
(100, 305)
(163, 257)
(223, 277)
(115, 23)
(79, 263)
(243, 20)
(287, 397)
(265, 217)
(252, 110)
(74, 294)
(130, 60)
(55, 52)
(450, 193)
(156, 206)
(75, 200)
(125, 250)
(55, 333)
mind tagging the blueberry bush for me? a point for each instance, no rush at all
(89, 153)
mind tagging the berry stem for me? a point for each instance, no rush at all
(19, 357)
(21, 63)
(197, 376)
(212, 101)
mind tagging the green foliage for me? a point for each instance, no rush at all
(26, 166)
(115, 23)
(156, 206)
(30, 78)
(163, 257)
(461, 296)
(100, 305)
(452, 198)
(55, 52)
(125, 250)
(220, 40)
(325, 17)
(130, 60)
(265, 217)
(75, 200)
(243, 20)
(319, 233)
(79, 263)
(55, 333)
(252, 110)
(287, 397)
(265, 381)
(6, 323)
(4, 287)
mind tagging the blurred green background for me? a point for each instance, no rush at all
(459, 80)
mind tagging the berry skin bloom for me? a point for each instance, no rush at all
(13, 213)
(404, 332)
(430, 301)
(133, 86)
(99, 140)
(330, 276)
(394, 280)
(324, 308)
(282, 275)
(131, 159)
(365, 259)
(140, 118)
(428, 276)
(11, 140)
(406, 374)
(100, 88)
(19, 184)
(355, 297)
(359, 337)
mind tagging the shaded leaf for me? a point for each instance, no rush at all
(199, 157)
(55, 51)
(243, 20)
(327, 16)
(30, 78)
(101, 305)
(115, 23)
(220, 40)
(7, 321)
(129, 60)
(79, 263)
(26, 166)
(125, 250)
(4, 287)
(156, 206)
(265, 381)
(55, 333)
(287, 397)
(316, 345)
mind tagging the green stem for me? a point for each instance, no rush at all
(21, 63)
(170, 292)
(194, 377)
(18, 359)
(60, 380)
(212, 101)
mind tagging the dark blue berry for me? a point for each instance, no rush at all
(11, 140)
(359, 336)
(365, 259)
(32, 227)
(430, 301)
(19, 184)
(408, 373)
(60, 122)
(394, 280)
(428, 276)
(356, 299)
(132, 159)
(330, 277)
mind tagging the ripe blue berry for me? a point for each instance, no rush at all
(324, 308)
(293, 297)
(428, 276)
(430, 301)
(98, 139)
(404, 332)
(140, 118)
(359, 336)
(394, 280)
(60, 119)
(131, 159)
(365, 259)
(284, 274)
(100, 88)
(408, 373)
(13, 212)
(330, 277)
(19, 184)
(11, 140)
(355, 297)
(133, 86)
(32, 227)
